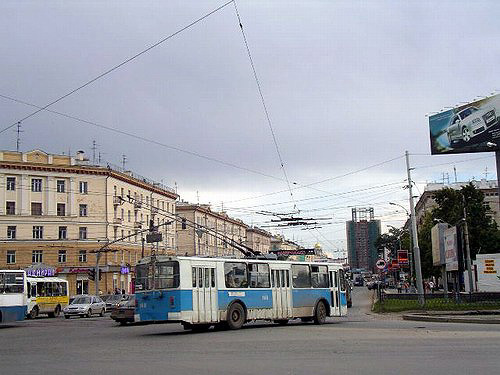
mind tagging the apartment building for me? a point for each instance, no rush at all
(57, 210)
(194, 239)
(258, 240)
(489, 188)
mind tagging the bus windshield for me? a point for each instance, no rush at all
(11, 282)
(164, 274)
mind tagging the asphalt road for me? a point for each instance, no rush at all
(363, 343)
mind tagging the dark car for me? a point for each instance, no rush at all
(358, 281)
(113, 300)
(124, 312)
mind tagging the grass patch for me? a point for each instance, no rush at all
(437, 304)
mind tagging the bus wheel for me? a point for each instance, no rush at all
(34, 312)
(282, 322)
(320, 313)
(235, 316)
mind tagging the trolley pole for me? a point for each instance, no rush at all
(416, 249)
(467, 252)
(96, 281)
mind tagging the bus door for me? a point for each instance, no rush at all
(204, 294)
(282, 294)
(343, 296)
(334, 293)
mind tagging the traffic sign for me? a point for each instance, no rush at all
(380, 264)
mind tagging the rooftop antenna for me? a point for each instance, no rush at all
(94, 148)
(455, 172)
(124, 161)
(175, 184)
(486, 173)
(99, 157)
(197, 196)
(18, 138)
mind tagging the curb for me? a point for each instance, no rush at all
(448, 319)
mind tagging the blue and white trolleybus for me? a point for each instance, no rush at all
(202, 292)
(13, 297)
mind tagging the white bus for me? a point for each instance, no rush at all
(46, 295)
(13, 299)
(202, 292)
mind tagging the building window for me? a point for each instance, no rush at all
(82, 256)
(37, 232)
(115, 212)
(37, 256)
(115, 233)
(121, 192)
(129, 215)
(11, 256)
(83, 187)
(61, 258)
(36, 184)
(61, 209)
(82, 233)
(61, 186)
(11, 183)
(11, 232)
(36, 209)
(11, 208)
(83, 210)
(123, 213)
(63, 231)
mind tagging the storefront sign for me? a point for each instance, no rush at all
(124, 270)
(40, 270)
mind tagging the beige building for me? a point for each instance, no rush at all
(55, 210)
(194, 240)
(258, 240)
(489, 188)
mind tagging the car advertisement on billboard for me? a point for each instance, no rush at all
(473, 127)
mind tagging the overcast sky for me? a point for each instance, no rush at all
(347, 85)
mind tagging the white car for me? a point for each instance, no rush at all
(85, 305)
(470, 122)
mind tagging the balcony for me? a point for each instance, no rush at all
(137, 205)
(117, 221)
(117, 200)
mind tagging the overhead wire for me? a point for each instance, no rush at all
(264, 103)
(112, 69)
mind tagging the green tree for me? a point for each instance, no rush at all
(484, 235)
(393, 239)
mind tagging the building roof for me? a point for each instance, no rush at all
(205, 208)
(38, 160)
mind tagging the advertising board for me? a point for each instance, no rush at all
(451, 249)
(437, 238)
(488, 272)
(403, 257)
(467, 128)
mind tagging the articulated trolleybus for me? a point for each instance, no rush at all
(203, 292)
(13, 300)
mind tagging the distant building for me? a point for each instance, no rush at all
(362, 232)
(258, 239)
(56, 209)
(489, 188)
(194, 239)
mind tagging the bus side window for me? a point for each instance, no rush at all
(272, 278)
(29, 290)
(287, 278)
(200, 278)
(207, 277)
(193, 269)
(33, 290)
(213, 278)
(64, 289)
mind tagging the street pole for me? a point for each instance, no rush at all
(467, 250)
(416, 249)
(497, 155)
(96, 281)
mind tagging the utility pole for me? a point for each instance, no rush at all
(416, 249)
(467, 250)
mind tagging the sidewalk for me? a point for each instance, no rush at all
(475, 316)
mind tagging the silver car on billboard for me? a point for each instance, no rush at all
(469, 123)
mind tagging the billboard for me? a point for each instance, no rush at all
(467, 128)
(437, 238)
(451, 249)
